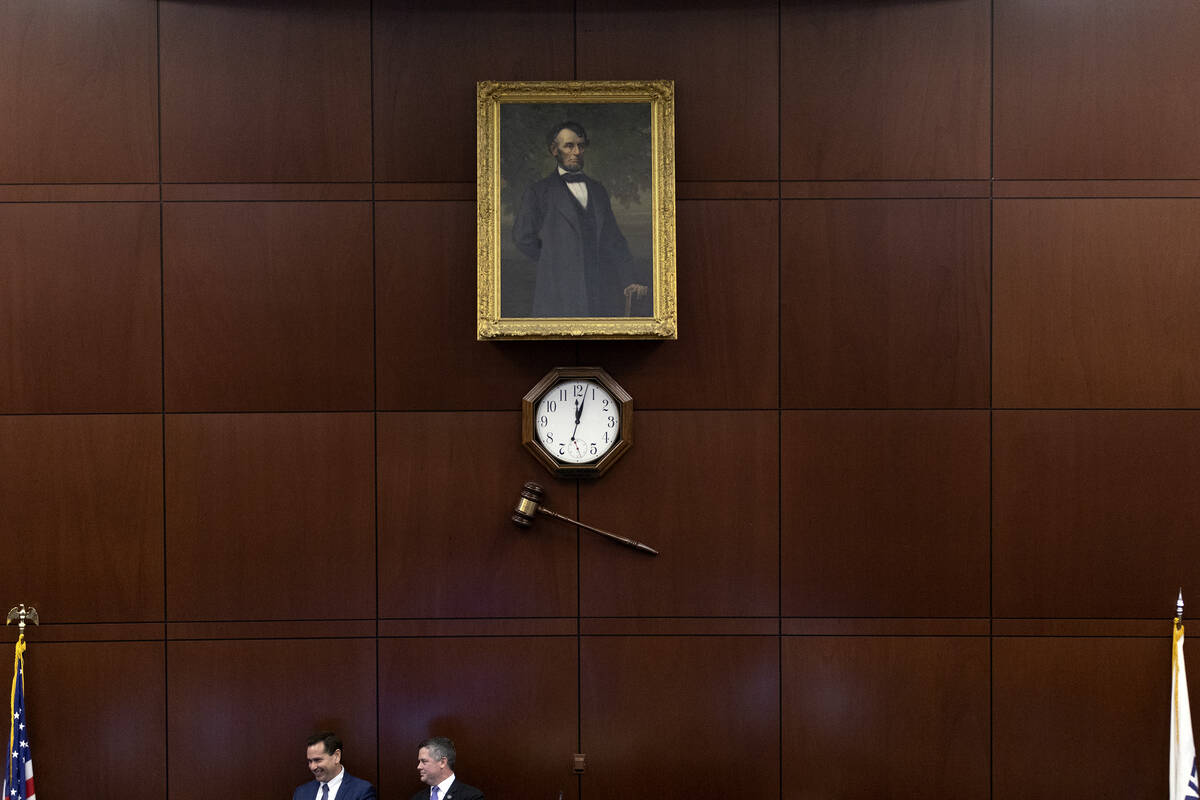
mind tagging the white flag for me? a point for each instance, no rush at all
(1183, 745)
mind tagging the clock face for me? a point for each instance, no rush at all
(577, 421)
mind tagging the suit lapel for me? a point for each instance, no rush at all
(593, 207)
(564, 202)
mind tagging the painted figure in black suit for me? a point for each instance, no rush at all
(435, 765)
(331, 781)
(566, 226)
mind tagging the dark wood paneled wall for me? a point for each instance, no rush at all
(922, 464)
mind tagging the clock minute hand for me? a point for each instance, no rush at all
(578, 414)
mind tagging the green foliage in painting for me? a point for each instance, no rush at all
(618, 153)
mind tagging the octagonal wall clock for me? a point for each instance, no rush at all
(577, 421)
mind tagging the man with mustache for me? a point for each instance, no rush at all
(330, 779)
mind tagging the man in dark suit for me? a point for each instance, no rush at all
(566, 226)
(331, 781)
(435, 765)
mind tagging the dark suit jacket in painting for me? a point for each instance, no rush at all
(352, 788)
(458, 791)
(583, 260)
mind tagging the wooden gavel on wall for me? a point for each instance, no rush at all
(530, 505)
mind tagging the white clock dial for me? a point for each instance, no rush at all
(577, 421)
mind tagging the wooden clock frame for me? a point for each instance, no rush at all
(596, 468)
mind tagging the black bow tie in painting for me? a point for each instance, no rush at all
(572, 177)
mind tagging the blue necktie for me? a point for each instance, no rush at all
(433, 794)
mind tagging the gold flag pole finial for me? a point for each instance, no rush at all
(20, 615)
(1179, 609)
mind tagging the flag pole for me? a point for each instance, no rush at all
(18, 772)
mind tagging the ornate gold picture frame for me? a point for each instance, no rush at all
(576, 210)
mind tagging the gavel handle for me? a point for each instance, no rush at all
(645, 548)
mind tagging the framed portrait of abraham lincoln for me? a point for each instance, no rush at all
(576, 210)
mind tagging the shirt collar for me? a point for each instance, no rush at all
(336, 781)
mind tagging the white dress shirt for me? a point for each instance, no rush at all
(578, 188)
(335, 783)
(443, 787)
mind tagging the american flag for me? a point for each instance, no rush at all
(18, 776)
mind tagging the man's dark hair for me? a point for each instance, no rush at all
(568, 125)
(328, 738)
(440, 747)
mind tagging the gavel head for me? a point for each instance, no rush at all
(527, 507)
